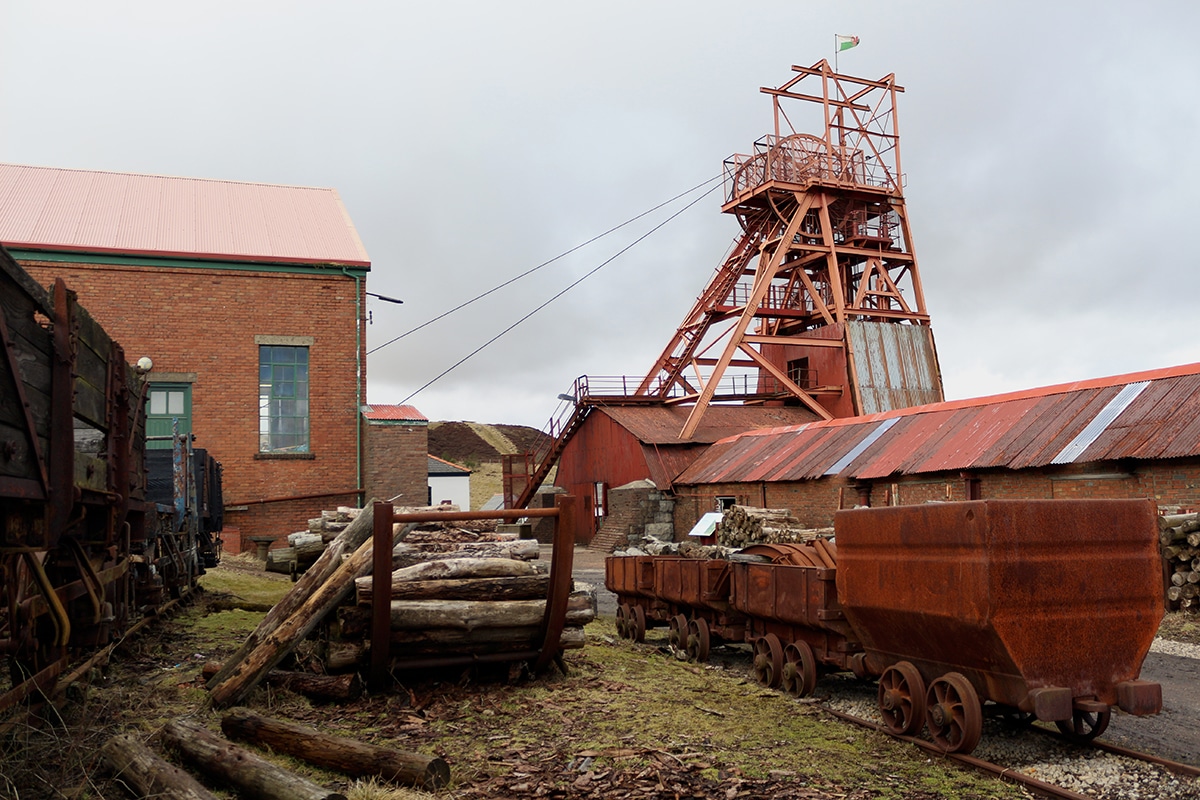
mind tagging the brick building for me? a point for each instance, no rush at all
(249, 300)
(1128, 436)
(397, 444)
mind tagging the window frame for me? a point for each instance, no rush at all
(272, 405)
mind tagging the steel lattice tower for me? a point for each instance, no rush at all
(819, 301)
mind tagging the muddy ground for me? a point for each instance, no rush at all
(625, 722)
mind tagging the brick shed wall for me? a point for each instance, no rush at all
(397, 462)
(1170, 482)
(204, 321)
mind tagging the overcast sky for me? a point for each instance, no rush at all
(1049, 150)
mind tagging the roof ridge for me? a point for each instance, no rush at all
(166, 177)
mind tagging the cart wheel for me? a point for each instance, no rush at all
(799, 669)
(1084, 725)
(637, 625)
(697, 640)
(902, 698)
(953, 713)
(678, 632)
(768, 660)
(623, 621)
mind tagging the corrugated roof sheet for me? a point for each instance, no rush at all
(129, 214)
(662, 424)
(896, 365)
(394, 413)
(1146, 415)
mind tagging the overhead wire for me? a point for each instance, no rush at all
(560, 293)
(547, 263)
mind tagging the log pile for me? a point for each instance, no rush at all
(305, 547)
(742, 526)
(459, 592)
(1179, 537)
(217, 759)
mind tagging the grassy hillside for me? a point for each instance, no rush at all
(480, 447)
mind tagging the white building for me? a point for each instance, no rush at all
(449, 483)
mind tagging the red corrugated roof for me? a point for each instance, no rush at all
(1016, 430)
(154, 215)
(394, 413)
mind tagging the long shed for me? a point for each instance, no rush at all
(1133, 435)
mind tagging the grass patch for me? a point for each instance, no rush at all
(1181, 626)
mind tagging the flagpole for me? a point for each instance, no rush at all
(835, 53)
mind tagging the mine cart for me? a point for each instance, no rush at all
(631, 579)
(1045, 607)
(793, 618)
(693, 596)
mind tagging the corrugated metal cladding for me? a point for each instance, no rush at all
(1146, 415)
(122, 213)
(394, 413)
(896, 365)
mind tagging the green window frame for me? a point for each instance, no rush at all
(283, 418)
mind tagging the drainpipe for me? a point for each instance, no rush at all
(358, 382)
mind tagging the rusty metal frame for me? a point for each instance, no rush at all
(825, 240)
(553, 621)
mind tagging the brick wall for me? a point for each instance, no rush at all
(1170, 482)
(203, 321)
(397, 461)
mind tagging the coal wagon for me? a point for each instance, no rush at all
(1043, 607)
(83, 548)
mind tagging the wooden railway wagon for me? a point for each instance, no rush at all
(1040, 609)
(82, 549)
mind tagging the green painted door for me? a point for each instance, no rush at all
(166, 402)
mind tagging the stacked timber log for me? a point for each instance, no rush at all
(459, 592)
(745, 525)
(1179, 536)
(305, 547)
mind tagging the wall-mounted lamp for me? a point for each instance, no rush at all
(385, 298)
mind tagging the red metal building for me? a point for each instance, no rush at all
(616, 445)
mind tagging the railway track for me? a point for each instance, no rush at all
(1039, 758)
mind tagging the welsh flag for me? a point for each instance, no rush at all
(846, 42)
